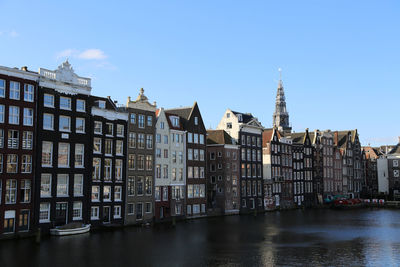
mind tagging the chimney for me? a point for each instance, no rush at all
(399, 138)
(24, 68)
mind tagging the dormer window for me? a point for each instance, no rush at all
(175, 121)
(240, 117)
(196, 121)
(228, 115)
(101, 104)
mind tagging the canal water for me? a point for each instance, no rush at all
(291, 238)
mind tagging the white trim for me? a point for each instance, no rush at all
(19, 73)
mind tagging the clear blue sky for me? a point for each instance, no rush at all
(340, 59)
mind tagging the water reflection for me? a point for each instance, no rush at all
(292, 238)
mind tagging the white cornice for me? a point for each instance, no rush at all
(109, 114)
(18, 73)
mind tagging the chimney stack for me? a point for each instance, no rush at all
(24, 68)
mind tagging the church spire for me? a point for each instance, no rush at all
(281, 116)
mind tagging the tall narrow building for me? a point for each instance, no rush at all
(281, 116)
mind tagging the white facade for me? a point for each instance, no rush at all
(230, 124)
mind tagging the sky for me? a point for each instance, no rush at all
(340, 59)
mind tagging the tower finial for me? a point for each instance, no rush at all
(280, 74)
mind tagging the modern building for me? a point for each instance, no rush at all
(223, 173)
(196, 164)
(170, 166)
(108, 131)
(63, 166)
(247, 131)
(140, 157)
(18, 97)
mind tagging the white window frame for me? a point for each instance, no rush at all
(2, 88)
(45, 175)
(28, 118)
(13, 112)
(78, 177)
(69, 102)
(59, 176)
(46, 104)
(2, 113)
(29, 90)
(91, 213)
(44, 210)
(82, 154)
(77, 218)
(15, 91)
(60, 128)
(68, 154)
(76, 125)
(84, 105)
(51, 127)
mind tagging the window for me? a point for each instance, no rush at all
(157, 193)
(80, 125)
(107, 169)
(97, 145)
(149, 184)
(195, 138)
(44, 214)
(131, 161)
(94, 213)
(149, 120)
(165, 171)
(48, 100)
(120, 130)
(25, 191)
(132, 140)
(190, 154)
(161, 125)
(133, 118)
(202, 139)
(196, 121)
(139, 211)
(109, 129)
(47, 153)
(2, 109)
(118, 169)
(148, 207)
(131, 208)
(13, 115)
(195, 154)
(79, 155)
(98, 127)
(229, 125)
(78, 185)
(201, 154)
(139, 186)
(28, 92)
(140, 162)
(62, 185)
(11, 191)
(14, 90)
(48, 121)
(107, 193)
(80, 105)
(175, 121)
(158, 138)
(119, 147)
(95, 193)
(26, 166)
(63, 155)
(45, 185)
(65, 124)
(202, 172)
(166, 153)
(149, 141)
(12, 163)
(101, 104)
(190, 138)
(141, 141)
(165, 139)
(77, 211)
(149, 162)
(131, 186)
(13, 139)
(96, 169)
(395, 163)
(2, 88)
(27, 140)
(65, 103)
(28, 117)
(158, 153)
(141, 121)
(118, 193)
(190, 172)
(117, 212)
(108, 147)
(1, 168)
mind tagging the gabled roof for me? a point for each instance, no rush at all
(297, 138)
(370, 152)
(183, 112)
(171, 126)
(267, 136)
(219, 137)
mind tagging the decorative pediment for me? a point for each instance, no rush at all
(255, 123)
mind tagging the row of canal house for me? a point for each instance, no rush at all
(69, 156)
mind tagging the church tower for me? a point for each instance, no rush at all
(281, 116)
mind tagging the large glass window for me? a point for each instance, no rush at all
(80, 105)
(26, 166)
(45, 185)
(28, 117)
(141, 121)
(79, 155)
(62, 185)
(13, 115)
(47, 153)
(12, 163)
(48, 100)
(65, 103)
(14, 90)
(65, 124)
(63, 155)
(78, 185)
(28, 92)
